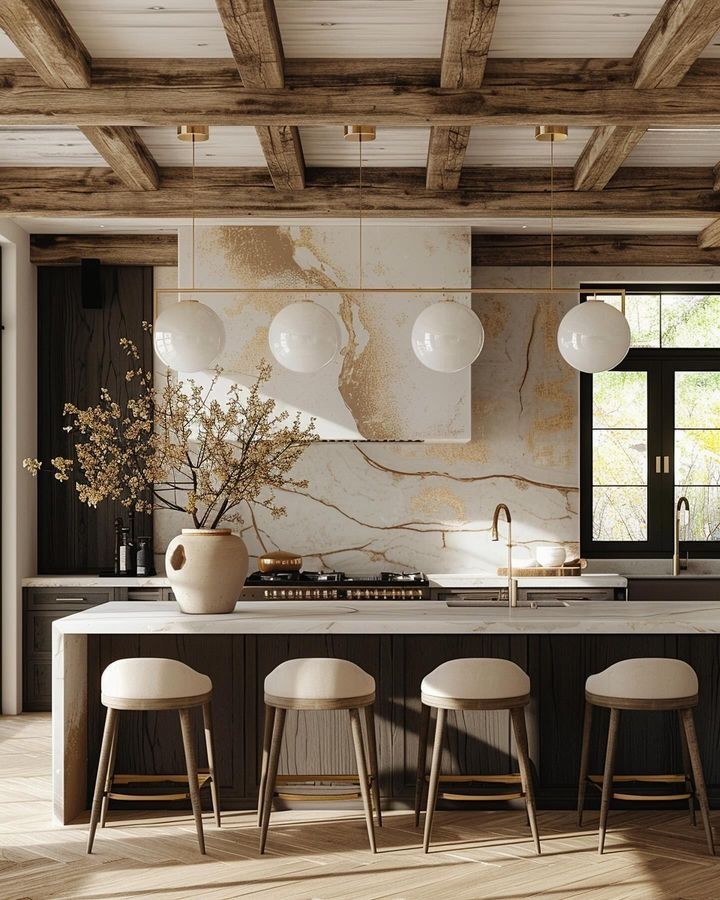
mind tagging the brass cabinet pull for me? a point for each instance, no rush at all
(666, 465)
(657, 465)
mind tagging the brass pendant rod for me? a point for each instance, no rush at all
(620, 292)
(552, 213)
(360, 211)
(193, 212)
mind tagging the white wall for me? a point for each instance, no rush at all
(19, 439)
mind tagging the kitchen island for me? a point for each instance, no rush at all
(398, 643)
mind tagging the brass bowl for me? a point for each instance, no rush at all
(279, 561)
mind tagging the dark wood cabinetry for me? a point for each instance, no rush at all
(476, 741)
(44, 605)
(78, 354)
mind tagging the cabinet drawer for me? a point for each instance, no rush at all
(67, 598)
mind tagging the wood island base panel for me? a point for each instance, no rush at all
(398, 645)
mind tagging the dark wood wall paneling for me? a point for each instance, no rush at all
(78, 353)
(476, 741)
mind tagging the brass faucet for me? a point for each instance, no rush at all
(677, 562)
(512, 582)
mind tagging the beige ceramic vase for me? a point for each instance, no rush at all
(206, 568)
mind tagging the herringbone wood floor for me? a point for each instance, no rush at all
(324, 855)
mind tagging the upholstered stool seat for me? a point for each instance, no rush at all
(154, 684)
(152, 679)
(319, 678)
(319, 683)
(475, 679)
(645, 679)
(464, 684)
(652, 684)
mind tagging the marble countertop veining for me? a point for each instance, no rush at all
(88, 581)
(399, 617)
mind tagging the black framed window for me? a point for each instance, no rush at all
(650, 428)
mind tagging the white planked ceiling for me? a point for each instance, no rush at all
(325, 145)
(677, 147)
(228, 146)
(51, 146)
(516, 146)
(357, 28)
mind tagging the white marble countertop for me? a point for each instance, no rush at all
(450, 580)
(424, 617)
(86, 581)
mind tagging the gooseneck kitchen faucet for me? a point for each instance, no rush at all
(512, 582)
(677, 562)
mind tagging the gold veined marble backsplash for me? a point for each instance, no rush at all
(371, 506)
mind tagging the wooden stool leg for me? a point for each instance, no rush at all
(210, 747)
(110, 772)
(275, 744)
(517, 715)
(434, 776)
(356, 729)
(369, 713)
(584, 758)
(421, 761)
(191, 765)
(687, 770)
(103, 763)
(698, 777)
(607, 788)
(267, 737)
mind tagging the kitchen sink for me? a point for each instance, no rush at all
(487, 603)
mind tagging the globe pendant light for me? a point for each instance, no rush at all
(189, 336)
(447, 337)
(593, 336)
(304, 337)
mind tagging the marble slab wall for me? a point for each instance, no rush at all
(372, 506)
(375, 388)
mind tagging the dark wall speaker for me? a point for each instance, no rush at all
(91, 290)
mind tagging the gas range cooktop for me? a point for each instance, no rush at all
(337, 586)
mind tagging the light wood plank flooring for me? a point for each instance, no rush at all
(324, 855)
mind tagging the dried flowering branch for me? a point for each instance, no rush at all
(179, 448)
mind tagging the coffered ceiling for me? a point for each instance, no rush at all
(455, 88)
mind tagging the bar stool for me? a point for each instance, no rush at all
(474, 684)
(319, 683)
(644, 684)
(154, 684)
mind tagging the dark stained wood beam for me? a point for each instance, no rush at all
(591, 250)
(709, 237)
(469, 26)
(484, 192)
(110, 249)
(254, 37)
(678, 35)
(46, 39)
(125, 152)
(50, 44)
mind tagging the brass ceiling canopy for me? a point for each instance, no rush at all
(195, 133)
(360, 133)
(551, 133)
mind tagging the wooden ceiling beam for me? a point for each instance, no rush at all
(678, 35)
(484, 192)
(110, 249)
(469, 26)
(381, 105)
(254, 37)
(591, 249)
(50, 44)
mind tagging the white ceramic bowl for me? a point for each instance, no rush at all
(550, 557)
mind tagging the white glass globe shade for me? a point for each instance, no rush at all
(447, 337)
(189, 336)
(304, 337)
(594, 336)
